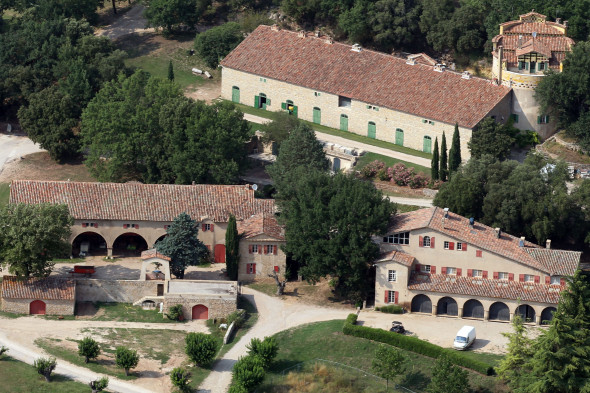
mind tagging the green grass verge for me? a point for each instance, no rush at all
(389, 161)
(18, 377)
(158, 67)
(407, 208)
(126, 312)
(4, 194)
(325, 340)
(342, 134)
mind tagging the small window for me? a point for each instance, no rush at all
(514, 118)
(542, 119)
(206, 227)
(425, 268)
(503, 276)
(478, 253)
(398, 238)
(446, 244)
(430, 122)
(555, 280)
(529, 278)
(263, 80)
(317, 93)
(251, 268)
(376, 108)
(391, 276)
(344, 102)
(477, 273)
(254, 248)
(390, 296)
(426, 241)
(451, 270)
(459, 246)
(541, 66)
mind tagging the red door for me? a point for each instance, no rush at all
(219, 253)
(200, 312)
(37, 308)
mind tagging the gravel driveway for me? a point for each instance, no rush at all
(12, 147)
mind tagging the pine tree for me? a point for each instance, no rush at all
(513, 367)
(455, 152)
(170, 71)
(434, 164)
(232, 248)
(448, 378)
(444, 170)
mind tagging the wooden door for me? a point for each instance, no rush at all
(219, 251)
(343, 123)
(427, 145)
(336, 165)
(399, 137)
(235, 94)
(317, 115)
(200, 312)
(160, 290)
(37, 308)
(372, 132)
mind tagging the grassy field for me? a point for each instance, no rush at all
(4, 194)
(389, 161)
(18, 377)
(407, 208)
(325, 340)
(343, 134)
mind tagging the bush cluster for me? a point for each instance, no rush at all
(398, 174)
(248, 372)
(392, 309)
(370, 170)
(413, 344)
(175, 313)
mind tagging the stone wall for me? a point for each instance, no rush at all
(120, 291)
(219, 307)
(52, 307)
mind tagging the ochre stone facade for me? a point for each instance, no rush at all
(52, 307)
(119, 291)
(265, 263)
(218, 307)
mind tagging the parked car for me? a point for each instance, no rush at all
(465, 337)
(397, 327)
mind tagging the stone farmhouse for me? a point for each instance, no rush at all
(116, 219)
(436, 262)
(522, 52)
(408, 102)
(38, 296)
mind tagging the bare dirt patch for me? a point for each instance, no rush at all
(395, 190)
(39, 166)
(557, 150)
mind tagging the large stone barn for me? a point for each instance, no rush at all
(38, 296)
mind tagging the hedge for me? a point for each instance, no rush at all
(413, 344)
(393, 309)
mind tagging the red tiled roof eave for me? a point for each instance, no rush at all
(38, 288)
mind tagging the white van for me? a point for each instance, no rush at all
(465, 337)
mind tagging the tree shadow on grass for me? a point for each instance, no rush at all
(282, 364)
(415, 380)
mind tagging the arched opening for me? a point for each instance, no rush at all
(89, 243)
(421, 303)
(336, 164)
(317, 115)
(427, 144)
(37, 307)
(547, 315)
(343, 123)
(499, 312)
(473, 309)
(160, 239)
(200, 312)
(129, 245)
(219, 251)
(262, 101)
(399, 137)
(526, 312)
(148, 305)
(372, 130)
(447, 306)
(235, 94)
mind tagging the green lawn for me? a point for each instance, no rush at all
(158, 66)
(4, 194)
(325, 340)
(343, 134)
(18, 377)
(389, 161)
(407, 208)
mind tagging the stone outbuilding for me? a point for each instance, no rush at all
(38, 296)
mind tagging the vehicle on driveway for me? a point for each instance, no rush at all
(397, 327)
(465, 337)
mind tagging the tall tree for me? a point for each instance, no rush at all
(491, 138)
(455, 152)
(169, 14)
(232, 248)
(31, 236)
(170, 71)
(448, 378)
(520, 350)
(444, 169)
(278, 130)
(434, 174)
(182, 245)
(214, 44)
(389, 362)
(329, 223)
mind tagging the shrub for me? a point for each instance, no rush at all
(88, 348)
(413, 344)
(266, 350)
(99, 385)
(392, 309)
(418, 181)
(215, 43)
(201, 348)
(435, 184)
(351, 319)
(175, 313)
(383, 175)
(237, 388)
(45, 367)
(180, 379)
(239, 317)
(370, 170)
(3, 350)
(248, 372)
(527, 138)
(126, 358)
(401, 175)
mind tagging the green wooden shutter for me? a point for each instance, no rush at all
(343, 123)
(372, 130)
(547, 119)
(284, 105)
(256, 101)
(538, 119)
(268, 102)
(295, 110)
(317, 115)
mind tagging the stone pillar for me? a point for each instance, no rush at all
(486, 315)
(460, 312)
(538, 319)
(511, 316)
(434, 309)
(110, 253)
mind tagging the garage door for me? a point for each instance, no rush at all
(499, 312)
(219, 253)
(447, 306)
(200, 312)
(421, 303)
(37, 308)
(473, 309)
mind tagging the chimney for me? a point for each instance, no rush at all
(317, 34)
(466, 75)
(521, 241)
(329, 40)
(275, 27)
(446, 210)
(301, 34)
(439, 67)
(498, 232)
(520, 41)
(471, 222)
(411, 60)
(565, 23)
(548, 244)
(356, 48)
(558, 21)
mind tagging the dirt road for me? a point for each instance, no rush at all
(130, 22)
(12, 147)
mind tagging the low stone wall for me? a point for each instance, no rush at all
(219, 307)
(52, 307)
(120, 291)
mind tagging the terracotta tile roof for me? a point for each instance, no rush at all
(423, 58)
(142, 202)
(478, 287)
(368, 76)
(396, 256)
(484, 237)
(261, 223)
(38, 288)
(533, 46)
(153, 253)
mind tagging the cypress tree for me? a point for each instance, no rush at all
(434, 164)
(455, 152)
(444, 170)
(170, 71)
(232, 248)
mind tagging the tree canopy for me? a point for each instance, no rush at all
(232, 248)
(491, 138)
(215, 43)
(169, 14)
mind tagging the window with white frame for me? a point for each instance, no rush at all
(451, 270)
(426, 241)
(446, 245)
(477, 273)
(459, 246)
(391, 275)
(390, 296)
(555, 280)
(206, 227)
(529, 278)
(503, 276)
(398, 238)
(254, 248)
(425, 268)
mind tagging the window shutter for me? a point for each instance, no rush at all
(451, 245)
(458, 272)
(510, 276)
(537, 279)
(254, 268)
(203, 227)
(295, 110)
(464, 247)
(284, 105)
(469, 272)
(250, 249)
(547, 119)
(259, 249)
(96, 224)
(276, 269)
(256, 101)
(136, 226)
(395, 297)
(386, 296)
(432, 242)
(547, 280)
(562, 281)
(521, 277)
(538, 119)
(484, 274)
(421, 241)
(84, 225)
(417, 267)
(432, 269)
(443, 270)
(478, 253)
(275, 249)
(268, 102)
(496, 275)
(211, 227)
(125, 226)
